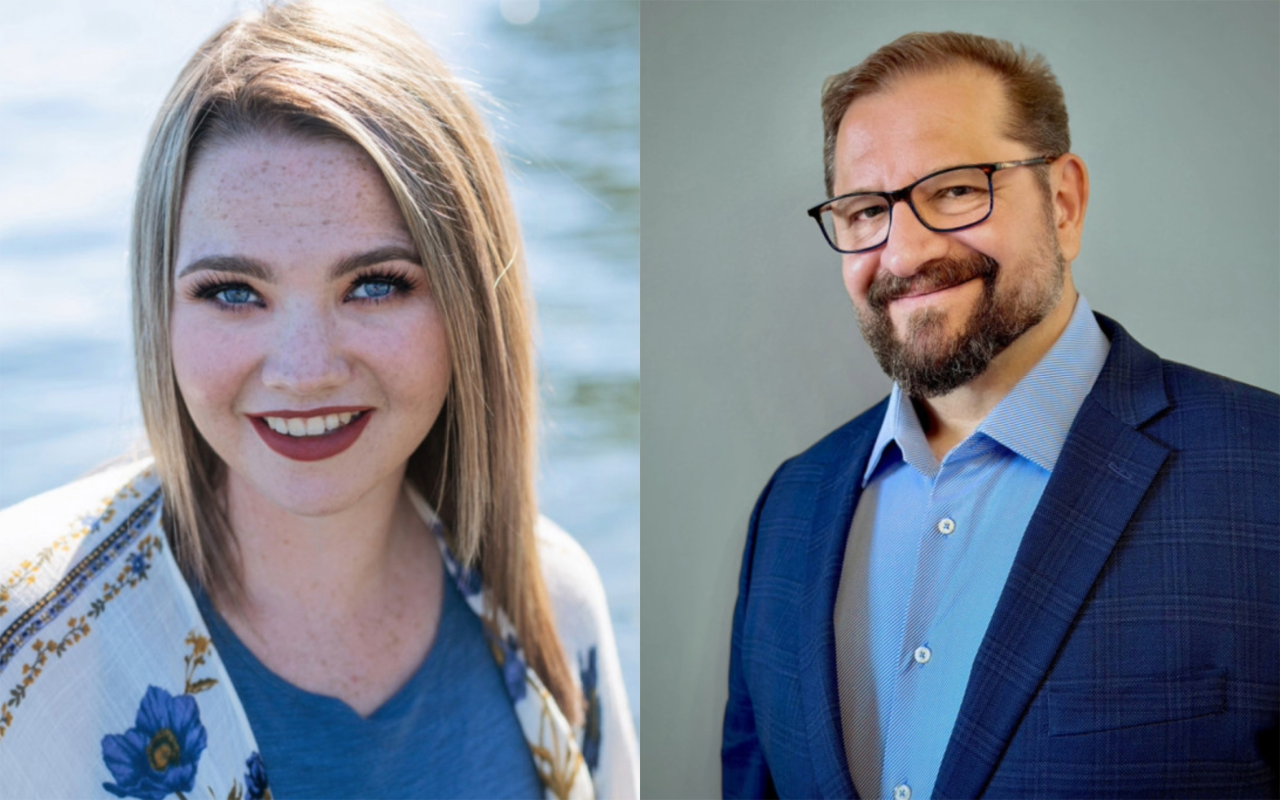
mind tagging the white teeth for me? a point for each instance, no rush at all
(310, 426)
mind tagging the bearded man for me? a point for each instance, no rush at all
(1046, 564)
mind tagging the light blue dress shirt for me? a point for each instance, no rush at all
(928, 554)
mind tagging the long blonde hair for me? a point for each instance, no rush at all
(310, 70)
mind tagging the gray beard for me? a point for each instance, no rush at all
(923, 364)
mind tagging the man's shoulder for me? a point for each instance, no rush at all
(1212, 411)
(1195, 389)
(802, 484)
(850, 441)
(1147, 389)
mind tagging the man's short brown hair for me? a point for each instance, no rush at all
(1039, 112)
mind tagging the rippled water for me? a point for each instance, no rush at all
(82, 82)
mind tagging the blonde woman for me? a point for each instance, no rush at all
(332, 579)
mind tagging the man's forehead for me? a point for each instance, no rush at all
(922, 122)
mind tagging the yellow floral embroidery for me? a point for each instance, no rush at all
(132, 573)
(557, 762)
(199, 649)
(26, 571)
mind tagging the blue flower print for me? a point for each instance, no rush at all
(158, 755)
(255, 780)
(513, 668)
(138, 563)
(591, 698)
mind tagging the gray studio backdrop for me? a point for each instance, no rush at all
(749, 347)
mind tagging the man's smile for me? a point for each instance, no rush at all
(928, 296)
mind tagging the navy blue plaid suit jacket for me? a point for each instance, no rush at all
(1134, 651)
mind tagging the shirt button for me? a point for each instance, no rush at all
(902, 792)
(923, 654)
(946, 525)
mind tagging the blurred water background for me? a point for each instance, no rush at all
(81, 81)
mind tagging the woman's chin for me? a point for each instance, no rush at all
(310, 496)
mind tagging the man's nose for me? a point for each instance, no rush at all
(910, 243)
(305, 356)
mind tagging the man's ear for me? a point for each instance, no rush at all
(1069, 184)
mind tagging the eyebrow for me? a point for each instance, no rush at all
(253, 268)
(923, 175)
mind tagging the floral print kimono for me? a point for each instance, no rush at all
(110, 685)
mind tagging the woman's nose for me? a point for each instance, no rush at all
(305, 357)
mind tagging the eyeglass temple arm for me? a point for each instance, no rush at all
(1030, 162)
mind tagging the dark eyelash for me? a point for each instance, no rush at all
(205, 288)
(208, 288)
(402, 281)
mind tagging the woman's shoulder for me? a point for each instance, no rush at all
(561, 554)
(573, 583)
(96, 497)
(43, 537)
(583, 623)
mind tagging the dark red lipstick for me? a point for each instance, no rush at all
(312, 448)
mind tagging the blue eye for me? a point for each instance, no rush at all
(235, 295)
(373, 290)
(228, 296)
(376, 287)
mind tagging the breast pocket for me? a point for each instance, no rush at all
(1089, 707)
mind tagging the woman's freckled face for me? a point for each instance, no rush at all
(297, 337)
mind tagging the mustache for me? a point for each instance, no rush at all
(933, 275)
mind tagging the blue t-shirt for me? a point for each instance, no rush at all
(450, 731)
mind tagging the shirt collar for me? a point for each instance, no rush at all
(1033, 418)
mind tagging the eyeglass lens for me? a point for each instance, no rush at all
(947, 201)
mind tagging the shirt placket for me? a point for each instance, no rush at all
(933, 563)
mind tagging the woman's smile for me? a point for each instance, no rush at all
(318, 422)
(311, 439)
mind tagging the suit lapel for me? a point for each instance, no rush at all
(1105, 468)
(837, 497)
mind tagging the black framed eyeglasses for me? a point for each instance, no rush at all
(948, 200)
